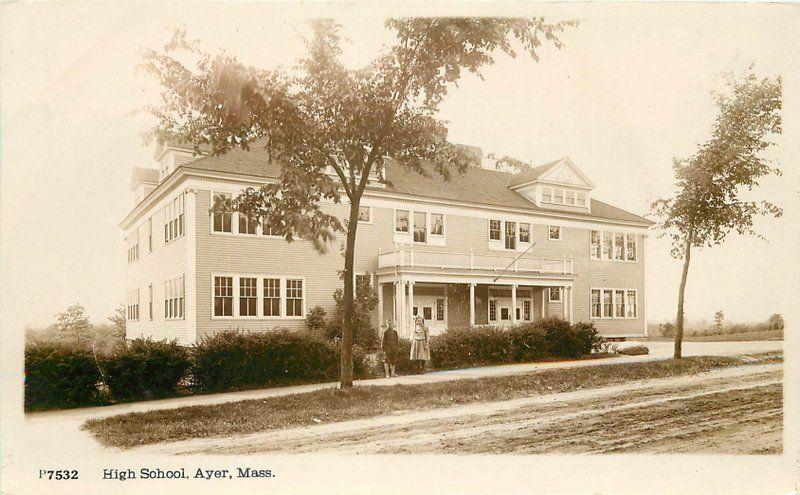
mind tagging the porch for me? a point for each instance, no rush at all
(452, 290)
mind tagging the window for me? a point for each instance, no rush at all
(619, 303)
(630, 304)
(401, 221)
(554, 294)
(505, 314)
(440, 310)
(581, 199)
(596, 303)
(294, 297)
(247, 225)
(173, 299)
(547, 195)
(526, 310)
(595, 248)
(248, 296)
(437, 224)
(132, 304)
(150, 302)
(608, 296)
(150, 235)
(223, 296)
(606, 246)
(173, 219)
(630, 252)
(420, 226)
(525, 232)
(494, 230)
(272, 297)
(554, 233)
(268, 229)
(426, 313)
(365, 214)
(222, 219)
(133, 245)
(511, 235)
(558, 196)
(619, 247)
(571, 198)
(492, 309)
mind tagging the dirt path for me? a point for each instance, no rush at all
(733, 410)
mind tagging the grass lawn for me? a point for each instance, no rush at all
(725, 337)
(332, 405)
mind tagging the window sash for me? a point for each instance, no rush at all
(630, 242)
(554, 233)
(221, 221)
(607, 246)
(554, 294)
(608, 302)
(619, 304)
(420, 226)
(437, 224)
(630, 304)
(223, 296)
(294, 297)
(494, 230)
(511, 235)
(619, 247)
(595, 245)
(492, 309)
(547, 195)
(247, 226)
(401, 221)
(526, 310)
(440, 309)
(364, 214)
(525, 232)
(596, 310)
(272, 297)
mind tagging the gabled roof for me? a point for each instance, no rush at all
(476, 185)
(532, 174)
(542, 173)
(141, 174)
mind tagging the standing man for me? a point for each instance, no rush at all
(389, 344)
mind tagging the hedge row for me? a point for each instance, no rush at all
(65, 374)
(60, 375)
(546, 339)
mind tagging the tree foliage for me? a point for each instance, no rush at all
(713, 185)
(332, 129)
(73, 321)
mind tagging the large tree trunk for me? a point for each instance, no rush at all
(346, 363)
(687, 255)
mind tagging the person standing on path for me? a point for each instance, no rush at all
(389, 344)
(420, 345)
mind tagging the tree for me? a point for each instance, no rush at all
(712, 185)
(331, 128)
(667, 329)
(118, 319)
(719, 319)
(775, 321)
(365, 301)
(73, 320)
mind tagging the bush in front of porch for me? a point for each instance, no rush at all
(552, 338)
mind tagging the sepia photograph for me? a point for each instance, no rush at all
(346, 247)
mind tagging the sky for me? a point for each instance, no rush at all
(628, 92)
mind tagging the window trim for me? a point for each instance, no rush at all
(614, 290)
(550, 295)
(259, 276)
(369, 208)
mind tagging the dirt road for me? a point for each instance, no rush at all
(734, 410)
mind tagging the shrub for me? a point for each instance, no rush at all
(528, 342)
(60, 374)
(143, 368)
(589, 338)
(562, 340)
(237, 360)
(316, 320)
(466, 347)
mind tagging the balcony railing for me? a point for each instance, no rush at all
(442, 259)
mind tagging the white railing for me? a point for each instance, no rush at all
(443, 259)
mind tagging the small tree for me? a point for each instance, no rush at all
(73, 321)
(719, 319)
(118, 318)
(667, 329)
(332, 128)
(708, 203)
(775, 321)
(364, 303)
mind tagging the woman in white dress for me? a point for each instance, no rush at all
(420, 345)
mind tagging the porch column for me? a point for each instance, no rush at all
(398, 308)
(380, 305)
(513, 304)
(472, 304)
(571, 316)
(564, 301)
(410, 305)
(544, 299)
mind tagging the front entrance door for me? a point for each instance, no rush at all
(433, 311)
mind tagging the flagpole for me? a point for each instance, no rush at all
(514, 261)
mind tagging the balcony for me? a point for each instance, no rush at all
(411, 257)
